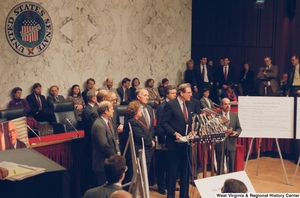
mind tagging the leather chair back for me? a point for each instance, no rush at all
(152, 103)
(120, 113)
(63, 111)
(10, 114)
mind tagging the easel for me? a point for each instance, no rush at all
(139, 186)
(257, 162)
(296, 171)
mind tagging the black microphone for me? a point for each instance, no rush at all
(34, 133)
(67, 119)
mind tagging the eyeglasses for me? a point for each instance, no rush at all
(12, 131)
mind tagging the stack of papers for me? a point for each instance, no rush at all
(185, 138)
(17, 172)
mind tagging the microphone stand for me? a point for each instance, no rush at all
(67, 119)
(34, 133)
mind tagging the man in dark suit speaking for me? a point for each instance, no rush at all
(233, 131)
(176, 121)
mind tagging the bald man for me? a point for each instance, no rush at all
(12, 134)
(121, 194)
(233, 131)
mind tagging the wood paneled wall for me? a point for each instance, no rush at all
(238, 30)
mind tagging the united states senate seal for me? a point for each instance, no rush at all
(28, 29)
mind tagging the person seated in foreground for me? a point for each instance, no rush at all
(234, 186)
(121, 194)
(114, 168)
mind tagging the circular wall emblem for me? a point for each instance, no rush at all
(28, 29)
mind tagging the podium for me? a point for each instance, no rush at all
(53, 183)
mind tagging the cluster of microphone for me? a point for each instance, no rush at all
(208, 127)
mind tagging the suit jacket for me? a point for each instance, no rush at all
(248, 82)
(34, 105)
(189, 77)
(158, 129)
(83, 94)
(140, 131)
(199, 77)
(291, 75)
(51, 100)
(220, 76)
(173, 121)
(19, 144)
(195, 106)
(204, 103)
(153, 93)
(152, 117)
(230, 142)
(121, 95)
(104, 144)
(103, 191)
(88, 120)
(272, 76)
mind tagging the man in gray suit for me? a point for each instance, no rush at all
(114, 168)
(233, 131)
(268, 75)
(54, 97)
(103, 139)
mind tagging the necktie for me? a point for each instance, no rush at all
(245, 75)
(228, 121)
(208, 103)
(227, 116)
(39, 102)
(146, 116)
(56, 99)
(108, 124)
(203, 71)
(125, 95)
(225, 73)
(185, 112)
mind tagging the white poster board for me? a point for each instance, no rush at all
(298, 119)
(208, 187)
(266, 117)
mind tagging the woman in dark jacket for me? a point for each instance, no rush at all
(139, 131)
